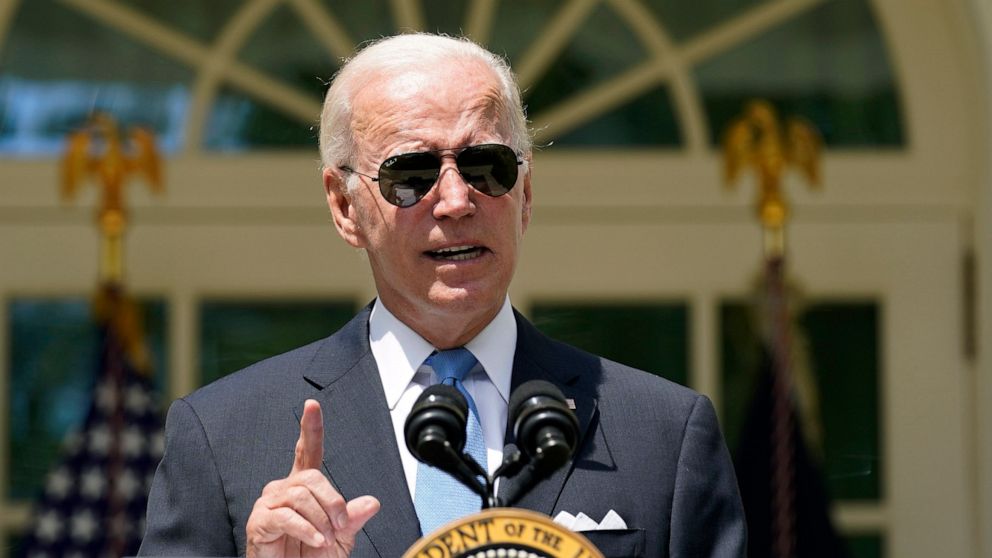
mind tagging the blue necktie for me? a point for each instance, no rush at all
(439, 497)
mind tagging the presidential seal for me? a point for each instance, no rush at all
(503, 533)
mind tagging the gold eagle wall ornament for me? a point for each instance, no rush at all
(756, 140)
(98, 152)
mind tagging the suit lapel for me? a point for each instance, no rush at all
(360, 453)
(534, 360)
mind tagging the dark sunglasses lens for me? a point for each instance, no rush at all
(490, 169)
(404, 179)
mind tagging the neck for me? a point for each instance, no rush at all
(441, 328)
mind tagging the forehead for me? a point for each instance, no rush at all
(431, 106)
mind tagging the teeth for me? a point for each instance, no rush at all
(457, 253)
(454, 249)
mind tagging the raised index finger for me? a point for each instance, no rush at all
(310, 445)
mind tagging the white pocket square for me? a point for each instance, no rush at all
(583, 522)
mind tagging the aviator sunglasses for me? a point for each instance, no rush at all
(405, 179)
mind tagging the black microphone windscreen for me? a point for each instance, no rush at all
(542, 423)
(546, 431)
(437, 418)
(435, 435)
(533, 388)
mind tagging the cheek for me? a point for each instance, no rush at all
(371, 219)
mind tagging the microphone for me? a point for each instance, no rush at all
(545, 428)
(543, 424)
(435, 434)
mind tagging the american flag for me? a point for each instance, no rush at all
(94, 499)
(782, 485)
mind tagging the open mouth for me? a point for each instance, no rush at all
(456, 253)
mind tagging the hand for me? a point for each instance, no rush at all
(302, 515)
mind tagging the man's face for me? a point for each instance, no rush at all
(457, 105)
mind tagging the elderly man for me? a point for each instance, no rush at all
(427, 168)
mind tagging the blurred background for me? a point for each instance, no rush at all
(636, 250)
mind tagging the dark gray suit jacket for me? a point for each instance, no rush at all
(649, 449)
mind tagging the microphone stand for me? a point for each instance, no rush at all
(467, 471)
(514, 463)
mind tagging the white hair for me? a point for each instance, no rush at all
(402, 52)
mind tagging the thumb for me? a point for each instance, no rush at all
(360, 511)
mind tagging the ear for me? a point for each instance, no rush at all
(526, 208)
(343, 210)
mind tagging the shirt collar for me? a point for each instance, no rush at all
(399, 351)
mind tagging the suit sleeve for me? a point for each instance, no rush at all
(707, 515)
(187, 511)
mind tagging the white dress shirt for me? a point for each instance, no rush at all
(399, 351)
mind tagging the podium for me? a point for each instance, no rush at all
(503, 533)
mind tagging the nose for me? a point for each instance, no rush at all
(454, 195)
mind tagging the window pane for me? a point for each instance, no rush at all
(602, 48)
(517, 24)
(202, 20)
(684, 19)
(363, 21)
(650, 336)
(14, 545)
(50, 84)
(235, 334)
(843, 344)
(283, 48)
(647, 120)
(866, 546)
(829, 65)
(54, 364)
(844, 350)
(237, 122)
(445, 16)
